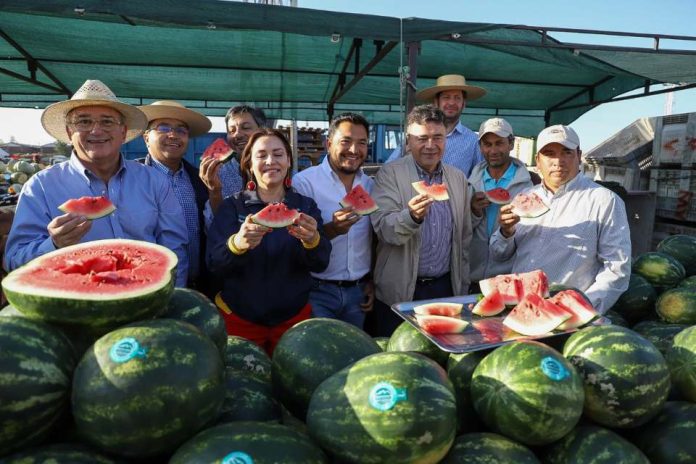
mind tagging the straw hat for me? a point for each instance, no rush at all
(197, 123)
(451, 82)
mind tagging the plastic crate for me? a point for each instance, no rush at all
(669, 185)
(675, 141)
(631, 178)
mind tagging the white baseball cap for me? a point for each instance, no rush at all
(559, 133)
(498, 126)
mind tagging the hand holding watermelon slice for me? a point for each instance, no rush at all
(219, 150)
(360, 201)
(529, 205)
(89, 207)
(498, 195)
(437, 192)
(304, 228)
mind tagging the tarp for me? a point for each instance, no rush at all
(211, 55)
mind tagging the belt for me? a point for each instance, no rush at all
(346, 283)
(431, 280)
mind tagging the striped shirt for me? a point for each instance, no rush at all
(436, 232)
(461, 149)
(231, 178)
(583, 241)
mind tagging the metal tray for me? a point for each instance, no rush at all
(481, 333)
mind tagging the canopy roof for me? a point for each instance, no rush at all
(211, 54)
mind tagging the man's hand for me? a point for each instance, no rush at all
(479, 202)
(208, 172)
(418, 207)
(507, 220)
(369, 292)
(68, 229)
(341, 222)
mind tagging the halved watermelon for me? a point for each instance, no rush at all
(535, 316)
(508, 285)
(498, 195)
(534, 282)
(89, 207)
(439, 309)
(360, 200)
(437, 192)
(436, 325)
(219, 150)
(276, 215)
(573, 302)
(529, 205)
(490, 305)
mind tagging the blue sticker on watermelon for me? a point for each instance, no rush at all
(126, 349)
(384, 396)
(237, 457)
(554, 369)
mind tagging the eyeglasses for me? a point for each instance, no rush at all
(166, 129)
(87, 124)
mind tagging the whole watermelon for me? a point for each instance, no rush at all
(681, 359)
(145, 388)
(61, 453)
(408, 338)
(626, 378)
(247, 357)
(36, 365)
(661, 334)
(249, 443)
(637, 303)
(670, 437)
(387, 407)
(590, 444)
(527, 391)
(310, 352)
(460, 369)
(617, 319)
(488, 448)
(248, 398)
(682, 248)
(677, 305)
(689, 282)
(660, 269)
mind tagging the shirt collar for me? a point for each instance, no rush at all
(571, 184)
(77, 165)
(507, 175)
(161, 167)
(325, 166)
(423, 173)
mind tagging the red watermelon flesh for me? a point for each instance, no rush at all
(498, 195)
(529, 205)
(439, 309)
(508, 285)
(437, 192)
(360, 200)
(572, 302)
(490, 305)
(89, 207)
(219, 150)
(535, 282)
(535, 316)
(436, 325)
(276, 215)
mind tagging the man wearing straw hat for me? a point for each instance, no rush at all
(450, 93)
(96, 123)
(170, 127)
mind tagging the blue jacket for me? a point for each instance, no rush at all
(269, 284)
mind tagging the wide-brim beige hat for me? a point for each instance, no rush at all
(92, 93)
(451, 82)
(197, 123)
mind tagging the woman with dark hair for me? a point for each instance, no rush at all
(266, 272)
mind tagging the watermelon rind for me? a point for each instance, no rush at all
(637, 303)
(681, 359)
(682, 248)
(460, 369)
(659, 333)
(439, 309)
(677, 305)
(663, 271)
(596, 445)
(360, 200)
(59, 453)
(523, 211)
(99, 310)
(247, 357)
(490, 305)
(219, 150)
(191, 306)
(248, 398)
(689, 282)
(441, 324)
(437, 192)
(499, 196)
(78, 206)
(276, 216)
(407, 338)
(488, 448)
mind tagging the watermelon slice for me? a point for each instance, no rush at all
(490, 305)
(436, 325)
(219, 150)
(508, 285)
(535, 316)
(437, 192)
(439, 309)
(574, 303)
(89, 207)
(360, 200)
(529, 205)
(498, 195)
(535, 282)
(276, 215)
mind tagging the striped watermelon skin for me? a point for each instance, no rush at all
(248, 398)
(153, 402)
(195, 308)
(669, 438)
(408, 338)
(677, 305)
(417, 425)
(617, 319)
(247, 357)
(689, 282)
(460, 369)
(62, 453)
(660, 334)
(382, 342)
(681, 359)
(309, 353)
(488, 448)
(625, 377)
(682, 248)
(36, 365)
(529, 402)
(590, 444)
(637, 303)
(255, 442)
(660, 269)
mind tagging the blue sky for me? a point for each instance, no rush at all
(660, 17)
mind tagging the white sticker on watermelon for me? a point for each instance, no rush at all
(237, 457)
(126, 349)
(384, 396)
(553, 369)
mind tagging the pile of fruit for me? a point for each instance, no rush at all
(19, 171)
(116, 365)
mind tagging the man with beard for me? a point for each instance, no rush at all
(583, 241)
(450, 95)
(344, 290)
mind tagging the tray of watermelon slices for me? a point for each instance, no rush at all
(512, 307)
